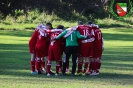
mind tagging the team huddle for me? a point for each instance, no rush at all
(85, 43)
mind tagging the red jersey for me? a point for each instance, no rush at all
(55, 43)
(86, 31)
(86, 46)
(98, 37)
(53, 33)
(41, 45)
(98, 43)
(54, 47)
(32, 41)
(83, 30)
(42, 40)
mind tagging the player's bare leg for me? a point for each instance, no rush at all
(38, 65)
(32, 63)
(80, 63)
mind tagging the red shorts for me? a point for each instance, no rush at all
(32, 48)
(86, 50)
(97, 52)
(41, 51)
(54, 53)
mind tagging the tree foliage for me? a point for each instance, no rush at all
(62, 8)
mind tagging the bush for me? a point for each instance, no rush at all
(9, 20)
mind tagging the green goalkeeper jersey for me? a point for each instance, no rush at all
(71, 40)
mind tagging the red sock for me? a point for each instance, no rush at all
(85, 66)
(48, 68)
(67, 66)
(57, 69)
(32, 65)
(60, 62)
(80, 66)
(38, 65)
(42, 63)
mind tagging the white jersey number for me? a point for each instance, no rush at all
(99, 35)
(86, 32)
(71, 37)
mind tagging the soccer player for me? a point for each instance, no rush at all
(41, 47)
(48, 27)
(54, 53)
(98, 46)
(32, 43)
(63, 49)
(86, 47)
(80, 61)
(71, 35)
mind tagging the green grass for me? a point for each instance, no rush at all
(116, 70)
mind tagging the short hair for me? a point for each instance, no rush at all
(60, 27)
(49, 24)
(89, 23)
(80, 23)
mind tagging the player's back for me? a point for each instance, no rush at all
(86, 31)
(33, 38)
(42, 40)
(83, 30)
(98, 37)
(72, 40)
(54, 43)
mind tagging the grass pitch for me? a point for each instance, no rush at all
(116, 70)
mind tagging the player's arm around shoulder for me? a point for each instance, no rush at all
(80, 36)
(62, 34)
